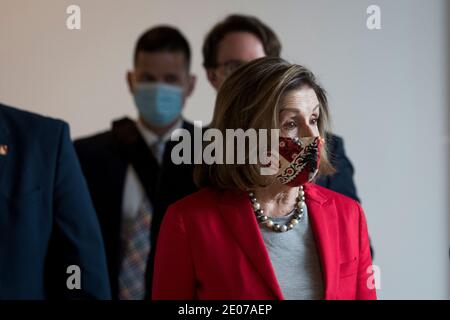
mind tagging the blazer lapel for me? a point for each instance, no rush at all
(238, 215)
(5, 145)
(323, 216)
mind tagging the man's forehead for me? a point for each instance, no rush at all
(243, 46)
(163, 60)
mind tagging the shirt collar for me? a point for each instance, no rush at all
(151, 138)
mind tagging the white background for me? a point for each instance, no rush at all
(388, 91)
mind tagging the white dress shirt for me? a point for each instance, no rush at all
(133, 192)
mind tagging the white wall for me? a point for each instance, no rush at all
(388, 92)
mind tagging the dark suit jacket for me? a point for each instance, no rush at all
(104, 159)
(47, 221)
(342, 180)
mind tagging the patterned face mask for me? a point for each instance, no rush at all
(299, 160)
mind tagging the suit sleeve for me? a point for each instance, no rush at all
(76, 237)
(342, 181)
(365, 282)
(173, 275)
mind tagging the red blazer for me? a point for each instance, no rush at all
(210, 247)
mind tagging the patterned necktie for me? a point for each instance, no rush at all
(158, 150)
(136, 241)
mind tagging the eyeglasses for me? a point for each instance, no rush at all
(230, 66)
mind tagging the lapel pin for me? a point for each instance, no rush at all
(3, 149)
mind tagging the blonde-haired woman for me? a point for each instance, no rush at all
(252, 236)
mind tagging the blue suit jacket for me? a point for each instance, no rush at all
(47, 221)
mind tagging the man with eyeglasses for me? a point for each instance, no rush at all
(235, 41)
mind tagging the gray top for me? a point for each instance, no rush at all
(295, 259)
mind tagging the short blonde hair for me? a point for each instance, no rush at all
(250, 98)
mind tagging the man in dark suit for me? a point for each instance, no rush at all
(49, 233)
(129, 170)
(239, 39)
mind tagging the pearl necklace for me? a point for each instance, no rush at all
(268, 221)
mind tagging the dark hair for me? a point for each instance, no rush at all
(239, 23)
(163, 38)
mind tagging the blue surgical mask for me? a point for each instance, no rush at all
(158, 103)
